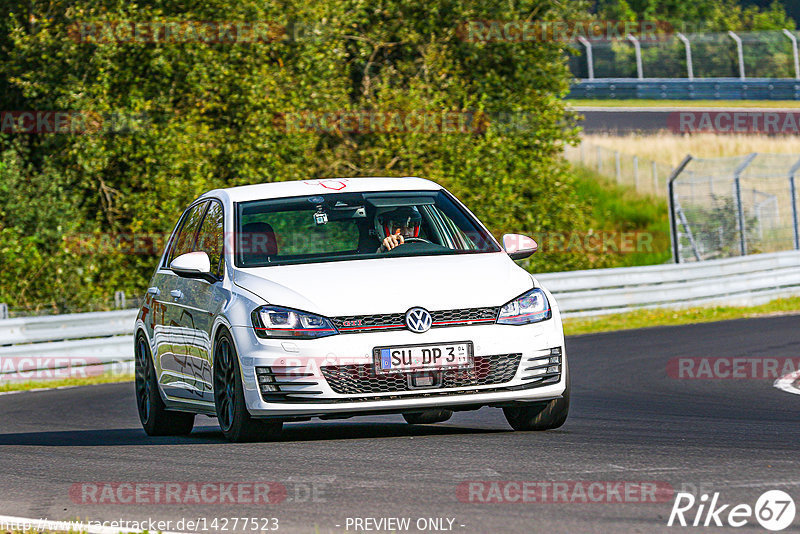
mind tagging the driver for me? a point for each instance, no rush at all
(397, 225)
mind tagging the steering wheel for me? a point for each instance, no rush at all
(415, 240)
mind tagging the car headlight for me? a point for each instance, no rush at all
(278, 322)
(530, 307)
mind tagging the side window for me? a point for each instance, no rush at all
(211, 237)
(184, 239)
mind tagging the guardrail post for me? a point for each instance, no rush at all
(791, 36)
(119, 300)
(636, 173)
(638, 50)
(3, 310)
(739, 208)
(739, 53)
(673, 219)
(617, 166)
(589, 59)
(792, 172)
(688, 46)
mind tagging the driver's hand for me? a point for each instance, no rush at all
(393, 241)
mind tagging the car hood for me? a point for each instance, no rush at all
(389, 285)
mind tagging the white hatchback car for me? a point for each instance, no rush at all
(333, 298)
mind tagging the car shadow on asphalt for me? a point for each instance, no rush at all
(293, 432)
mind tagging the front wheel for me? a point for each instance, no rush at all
(235, 421)
(541, 416)
(153, 414)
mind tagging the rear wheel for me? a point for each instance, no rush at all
(427, 417)
(235, 421)
(156, 419)
(541, 416)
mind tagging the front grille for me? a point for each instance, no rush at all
(544, 367)
(360, 379)
(284, 383)
(356, 324)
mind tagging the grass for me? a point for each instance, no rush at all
(672, 148)
(597, 103)
(108, 378)
(668, 317)
(616, 208)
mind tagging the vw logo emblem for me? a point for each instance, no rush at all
(418, 320)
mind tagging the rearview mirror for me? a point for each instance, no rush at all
(193, 265)
(519, 246)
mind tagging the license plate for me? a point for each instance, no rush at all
(410, 358)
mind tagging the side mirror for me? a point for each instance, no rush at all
(519, 246)
(193, 265)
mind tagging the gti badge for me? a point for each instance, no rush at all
(418, 320)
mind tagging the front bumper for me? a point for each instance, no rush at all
(304, 390)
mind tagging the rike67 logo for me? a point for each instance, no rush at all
(774, 510)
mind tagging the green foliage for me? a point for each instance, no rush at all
(204, 115)
(699, 15)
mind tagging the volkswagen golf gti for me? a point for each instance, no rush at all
(334, 298)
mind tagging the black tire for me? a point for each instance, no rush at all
(235, 421)
(541, 416)
(156, 419)
(427, 417)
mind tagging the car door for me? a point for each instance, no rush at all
(202, 301)
(175, 357)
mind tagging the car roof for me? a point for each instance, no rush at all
(324, 186)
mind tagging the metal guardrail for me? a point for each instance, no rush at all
(79, 344)
(740, 281)
(106, 337)
(683, 89)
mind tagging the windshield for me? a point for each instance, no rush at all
(347, 226)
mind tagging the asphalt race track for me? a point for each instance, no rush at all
(621, 120)
(629, 421)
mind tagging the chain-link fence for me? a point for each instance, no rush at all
(645, 175)
(734, 206)
(768, 54)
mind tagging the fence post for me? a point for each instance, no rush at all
(119, 300)
(739, 208)
(589, 59)
(617, 166)
(673, 222)
(638, 50)
(791, 36)
(583, 156)
(792, 172)
(739, 52)
(655, 177)
(599, 161)
(3, 310)
(636, 173)
(688, 46)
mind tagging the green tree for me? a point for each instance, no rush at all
(204, 116)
